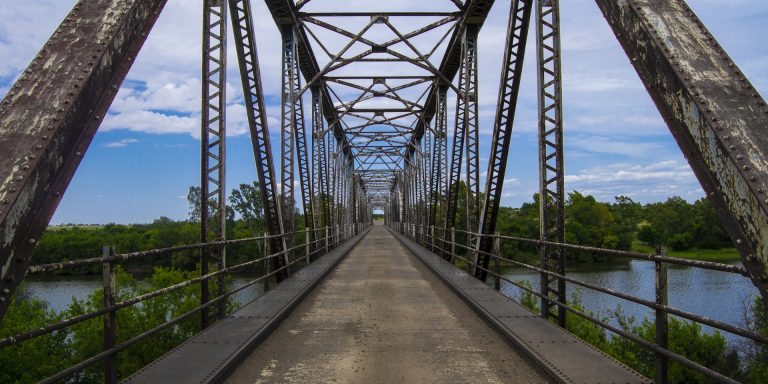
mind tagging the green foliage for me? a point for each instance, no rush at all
(31, 360)
(681, 225)
(674, 223)
(756, 355)
(685, 338)
(41, 357)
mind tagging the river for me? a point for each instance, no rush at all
(718, 295)
(58, 291)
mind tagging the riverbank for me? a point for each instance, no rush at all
(724, 255)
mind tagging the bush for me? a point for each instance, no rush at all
(681, 241)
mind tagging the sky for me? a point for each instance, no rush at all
(146, 153)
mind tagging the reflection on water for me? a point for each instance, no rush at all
(717, 295)
(58, 291)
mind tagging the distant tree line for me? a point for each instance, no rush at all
(622, 224)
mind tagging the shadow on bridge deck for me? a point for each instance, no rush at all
(389, 311)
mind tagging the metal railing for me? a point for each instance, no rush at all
(301, 250)
(429, 237)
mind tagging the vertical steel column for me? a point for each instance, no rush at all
(288, 125)
(320, 158)
(242, 22)
(213, 146)
(438, 155)
(426, 173)
(511, 77)
(551, 180)
(459, 133)
(472, 135)
(302, 156)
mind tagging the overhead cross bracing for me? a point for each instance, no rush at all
(380, 71)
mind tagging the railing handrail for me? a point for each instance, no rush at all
(710, 265)
(50, 267)
(429, 235)
(332, 236)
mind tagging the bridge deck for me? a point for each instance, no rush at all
(380, 317)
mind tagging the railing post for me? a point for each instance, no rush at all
(471, 255)
(267, 261)
(327, 237)
(222, 283)
(306, 244)
(662, 320)
(110, 318)
(453, 244)
(432, 238)
(497, 261)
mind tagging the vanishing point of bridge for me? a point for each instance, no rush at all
(417, 299)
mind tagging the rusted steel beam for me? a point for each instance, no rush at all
(509, 87)
(49, 116)
(285, 12)
(717, 117)
(474, 13)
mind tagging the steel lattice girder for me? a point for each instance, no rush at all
(242, 21)
(61, 98)
(289, 107)
(213, 135)
(463, 113)
(551, 169)
(511, 77)
(714, 113)
(286, 13)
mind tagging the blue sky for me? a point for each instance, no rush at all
(146, 154)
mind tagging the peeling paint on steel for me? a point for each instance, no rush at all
(714, 113)
(51, 113)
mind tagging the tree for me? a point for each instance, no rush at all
(246, 201)
(668, 219)
(588, 222)
(193, 197)
(626, 213)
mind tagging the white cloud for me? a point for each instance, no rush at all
(648, 182)
(121, 143)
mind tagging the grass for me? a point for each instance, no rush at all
(718, 255)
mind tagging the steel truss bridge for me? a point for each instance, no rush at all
(379, 140)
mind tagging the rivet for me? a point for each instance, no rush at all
(739, 157)
(752, 178)
(746, 168)
(78, 153)
(739, 241)
(32, 241)
(39, 146)
(19, 178)
(45, 137)
(6, 291)
(33, 157)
